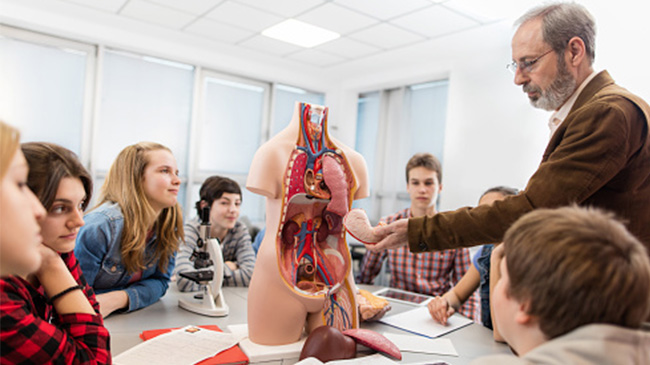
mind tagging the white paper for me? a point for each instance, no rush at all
(413, 343)
(419, 322)
(375, 359)
(185, 346)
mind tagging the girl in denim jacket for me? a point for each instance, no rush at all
(127, 247)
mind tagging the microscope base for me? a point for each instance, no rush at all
(208, 306)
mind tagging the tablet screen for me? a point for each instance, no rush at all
(403, 295)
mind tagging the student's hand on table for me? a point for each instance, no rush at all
(394, 235)
(232, 265)
(112, 301)
(441, 308)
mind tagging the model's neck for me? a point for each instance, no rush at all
(294, 123)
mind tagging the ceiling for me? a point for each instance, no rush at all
(367, 27)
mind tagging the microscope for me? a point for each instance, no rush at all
(208, 262)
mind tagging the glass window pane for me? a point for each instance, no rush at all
(366, 138)
(285, 98)
(42, 91)
(231, 126)
(428, 114)
(143, 99)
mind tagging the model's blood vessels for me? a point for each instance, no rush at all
(313, 256)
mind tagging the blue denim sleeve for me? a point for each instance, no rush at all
(92, 244)
(148, 290)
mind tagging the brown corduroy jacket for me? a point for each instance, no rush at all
(599, 156)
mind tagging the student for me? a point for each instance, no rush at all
(223, 196)
(49, 314)
(431, 273)
(443, 307)
(573, 290)
(127, 247)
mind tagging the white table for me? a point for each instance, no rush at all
(470, 342)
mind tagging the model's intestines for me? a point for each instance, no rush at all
(313, 256)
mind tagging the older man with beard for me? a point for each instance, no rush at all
(598, 155)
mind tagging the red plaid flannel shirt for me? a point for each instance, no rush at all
(31, 332)
(431, 273)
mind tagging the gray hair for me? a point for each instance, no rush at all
(563, 21)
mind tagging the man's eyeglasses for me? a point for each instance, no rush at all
(525, 66)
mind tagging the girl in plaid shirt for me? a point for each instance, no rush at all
(49, 313)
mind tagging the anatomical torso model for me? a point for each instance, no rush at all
(303, 274)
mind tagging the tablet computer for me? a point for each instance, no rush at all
(403, 296)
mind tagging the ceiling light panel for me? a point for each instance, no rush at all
(300, 33)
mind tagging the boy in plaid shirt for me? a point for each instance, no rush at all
(431, 273)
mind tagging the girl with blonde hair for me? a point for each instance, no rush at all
(127, 247)
(48, 312)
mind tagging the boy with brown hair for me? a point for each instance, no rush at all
(430, 273)
(574, 289)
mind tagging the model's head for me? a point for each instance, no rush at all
(144, 181)
(20, 210)
(223, 196)
(551, 46)
(423, 180)
(569, 267)
(63, 186)
(496, 193)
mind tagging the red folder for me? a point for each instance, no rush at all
(231, 356)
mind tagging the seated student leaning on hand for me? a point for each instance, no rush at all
(49, 313)
(574, 289)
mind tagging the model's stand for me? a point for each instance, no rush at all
(208, 254)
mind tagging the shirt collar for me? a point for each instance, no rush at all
(559, 115)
